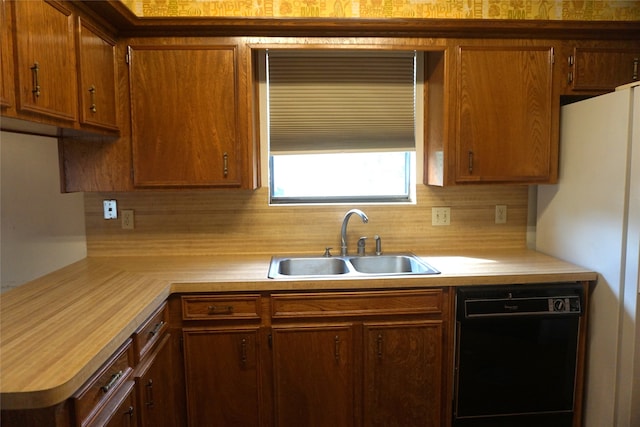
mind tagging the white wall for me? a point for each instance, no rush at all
(42, 229)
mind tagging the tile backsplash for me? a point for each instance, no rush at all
(205, 222)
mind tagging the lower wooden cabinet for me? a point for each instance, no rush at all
(338, 359)
(223, 376)
(121, 410)
(98, 401)
(403, 373)
(155, 388)
(314, 375)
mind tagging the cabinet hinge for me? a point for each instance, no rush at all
(127, 55)
(553, 56)
(270, 340)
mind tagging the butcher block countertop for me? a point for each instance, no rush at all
(56, 331)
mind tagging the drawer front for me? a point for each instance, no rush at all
(240, 307)
(357, 303)
(97, 392)
(150, 331)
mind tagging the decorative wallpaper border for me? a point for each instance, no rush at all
(583, 10)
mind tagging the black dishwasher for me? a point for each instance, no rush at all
(516, 349)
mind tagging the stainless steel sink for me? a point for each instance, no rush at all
(391, 264)
(348, 266)
(311, 266)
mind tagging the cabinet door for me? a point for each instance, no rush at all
(314, 380)
(120, 411)
(403, 374)
(602, 69)
(46, 64)
(6, 58)
(184, 104)
(97, 77)
(222, 370)
(155, 389)
(504, 115)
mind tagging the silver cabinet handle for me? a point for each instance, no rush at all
(114, 379)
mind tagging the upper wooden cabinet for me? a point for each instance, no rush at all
(505, 115)
(189, 115)
(96, 77)
(58, 68)
(598, 68)
(6, 58)
(45, 59)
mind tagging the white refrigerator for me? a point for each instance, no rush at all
(592, 218)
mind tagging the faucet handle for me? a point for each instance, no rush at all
(361, 246)
(327, 252)
(378, 244)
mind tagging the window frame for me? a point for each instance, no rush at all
(414, 165)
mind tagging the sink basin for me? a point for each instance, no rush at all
(391, 264)
(308, 266)
(348, 266)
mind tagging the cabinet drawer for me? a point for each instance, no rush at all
(357, 303)
(241, 307)
(150, 331)
(92, 397)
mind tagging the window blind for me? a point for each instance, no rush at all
(328, 101)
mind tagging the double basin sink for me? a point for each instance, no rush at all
(348, 266)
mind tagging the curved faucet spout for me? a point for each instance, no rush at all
(343, 234)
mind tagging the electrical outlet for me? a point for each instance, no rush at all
(110, 209)
(501, 214)
(440, 216)
(127, 219)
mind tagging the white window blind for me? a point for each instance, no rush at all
(328, 101)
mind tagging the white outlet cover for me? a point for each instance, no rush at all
(110, 209)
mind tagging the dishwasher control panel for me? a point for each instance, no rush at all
(570, 304)
(519, 300)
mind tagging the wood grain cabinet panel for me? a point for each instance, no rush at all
(505, 115)
(601, 69)
(375, 358)
(185, 107)
(97, 77)
(94, 402)
(45, 59)
(223, 376)
(121, 411)
(155, 388)
(403, 374)
(314, 375)
(6, 58)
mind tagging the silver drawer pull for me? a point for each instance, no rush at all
(114, 379)
(157, 328)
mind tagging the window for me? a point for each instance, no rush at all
(341, 125)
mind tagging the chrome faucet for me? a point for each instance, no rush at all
(343, 234)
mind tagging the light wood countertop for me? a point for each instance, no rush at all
(57, 330)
